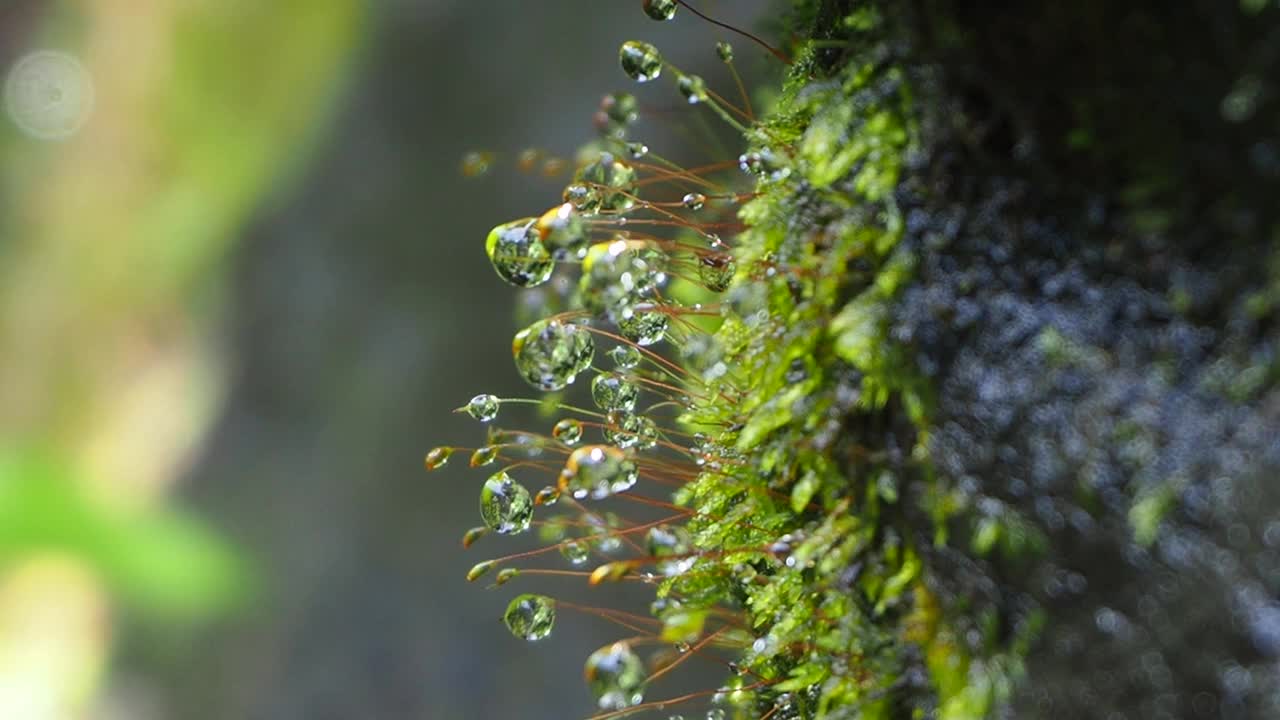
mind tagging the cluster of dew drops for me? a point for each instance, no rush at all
(636, 230)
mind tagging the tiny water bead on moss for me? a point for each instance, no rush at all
(505, 505)
(598, 471)
(530, 617)
(483, 407)
(576, 552)
(640, 61)
(660, 9)
(550, 354)
(616, 676)
(516, 251)
(694, 201)
(693, 88)
(616, 114)
(484, 455)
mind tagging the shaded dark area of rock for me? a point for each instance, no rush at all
(1095, 220)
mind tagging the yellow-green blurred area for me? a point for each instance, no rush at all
(238, 297)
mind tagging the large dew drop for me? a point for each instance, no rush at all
(644, 328)
(612, 391)
(530, 617)
(483, 407)
(598, 471)
(563, 231)
(505, 505)
(549, 354)
(660, 9)
(616, 676)
(518, 255)
(611, 185)
(616, 277)
(716, 271)
(640, 61)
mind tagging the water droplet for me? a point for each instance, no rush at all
(549, 354)
(547, 496)
(506, 575)
(752, 163)
(530, 617)
(483, 407)
(612, 391)
(693, 88)
(715, 714)
(479, 570)
(617, 112)
(470, 537)
(597, 471)
(610, 183)
(516, 251)
(646, 432)
(575, 551)
(604, 538)
(695, 201)
(725, 51)
(625, 357)
(505, 505)
(567, 431)
(716, 271)
(564, 232)
(644, 328)
(475, 164)
(637, 150)
(615, 277)
(580, 197)
(668, 545)
(437, 457)
(660, 9)
(616, 676)
(484, 456)
(620, 429)
(640, 61)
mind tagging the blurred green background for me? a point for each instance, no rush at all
(236, 307)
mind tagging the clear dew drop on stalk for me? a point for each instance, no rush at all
(694, 201)
(518, 255)
(567, 431)
(483, 407)
(668, 544)
(644, 327)
(598, 471)
(610, 183)
(615, 675)
(505, 505)
(563, 232)
(576, 552)
(612, 391)
(625, 357)
(530, 617)
(660, 9)
(640, 61)
(716, 271)
(616, 276)
(550, 354)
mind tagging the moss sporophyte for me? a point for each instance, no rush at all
(760, 450)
